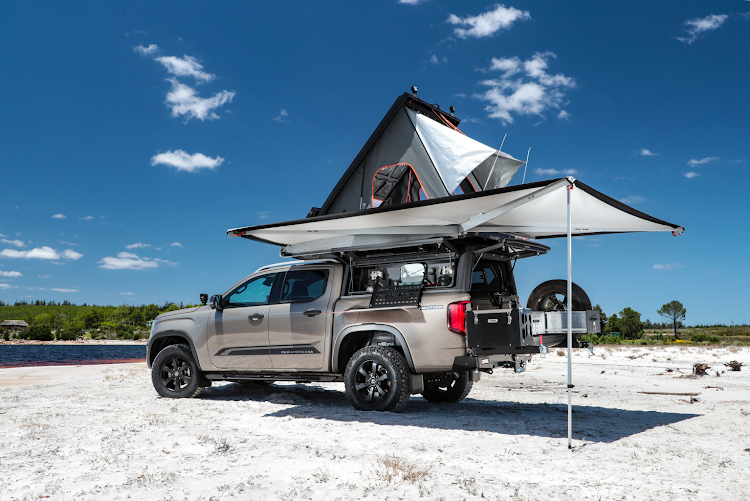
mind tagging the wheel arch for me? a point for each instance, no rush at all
(398, 339)
(161, 340)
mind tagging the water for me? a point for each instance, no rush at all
(26, 355)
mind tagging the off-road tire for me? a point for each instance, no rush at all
(539, 296)
(451, 388)
(380, 373)
(174, 372)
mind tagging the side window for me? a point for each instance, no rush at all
(254, 292)
(303, 285)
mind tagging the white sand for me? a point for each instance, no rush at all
(101, 432)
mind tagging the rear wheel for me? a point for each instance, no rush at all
(447, 387)
(377, 379)
(174, 373)
(552, 295)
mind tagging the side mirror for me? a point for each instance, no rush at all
(215, 302)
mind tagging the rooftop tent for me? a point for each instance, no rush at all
(417, 153)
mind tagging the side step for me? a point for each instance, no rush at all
(293, 376)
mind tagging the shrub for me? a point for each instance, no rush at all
(39, 332)
(66, 335)
(703, 338)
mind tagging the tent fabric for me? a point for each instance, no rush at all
(534, 210)
(395, 184)
(456, 155)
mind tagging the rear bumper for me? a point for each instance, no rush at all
(516, 361)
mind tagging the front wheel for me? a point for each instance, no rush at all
(377, 379)
(174, 373)
(448, 387)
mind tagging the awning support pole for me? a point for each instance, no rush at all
(570, 324)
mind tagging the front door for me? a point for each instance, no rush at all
(300, 321)
(238, 334)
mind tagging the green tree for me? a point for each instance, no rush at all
(630, 323)
(612, 325)
(674, 312)
(39, 332)
(602, 318)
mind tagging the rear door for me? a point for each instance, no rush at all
(300, 321)
(238, 334)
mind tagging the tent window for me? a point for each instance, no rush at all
(396, 184)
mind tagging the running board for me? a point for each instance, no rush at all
(295, 376)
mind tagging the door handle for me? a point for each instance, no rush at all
(255, 317)
(312, 313)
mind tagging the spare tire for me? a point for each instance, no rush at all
(550, 289)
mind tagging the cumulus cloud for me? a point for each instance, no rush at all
(488, 23)
(137, 245)
(647, 153)
(58, 216)
(691, 175)
(181, 160)
(185, 66)
(147, 51)
(668, 266)
(555, 172)
(693, 162)
(563, 115)
(175, 244)
(127, 261)
(696, 27)
(63, 290)
(633, 199)
(4, 286)
(10, 274)
(17, 243)
(282, 116)
(525, 87)
(184, 101)
(41, 253)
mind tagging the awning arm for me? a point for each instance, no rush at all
(480, 219)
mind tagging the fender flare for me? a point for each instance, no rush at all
(170, 333)
(400, 341)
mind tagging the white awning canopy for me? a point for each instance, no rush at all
(531, 210)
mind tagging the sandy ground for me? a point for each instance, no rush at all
(101, 432)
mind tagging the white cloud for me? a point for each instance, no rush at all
(59, 216)
(175, 244)
(6, 286)
(17, 243)
(44, 276)
(647, 153)
(184, 161)
(696, 27)
(488, 23)
(563, 115)
(185, 67)
(668, 266)
(164, 261)
(10, 274)
(525, 87)
(127, 294)
(633, 199)
(555, 172)
(127, 261)
(146, 51)
(693, 162)
(87, 218)
(434, 59)
(41, 253)
(262, 214)
(410, 2)
(137, 245)
(66, 243)
(184, 101)
(282, 116)
(691, 175)
(71, 254)
(63, 290)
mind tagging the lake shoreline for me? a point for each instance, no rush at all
(112, 342)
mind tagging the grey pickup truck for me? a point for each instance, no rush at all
(426, 319)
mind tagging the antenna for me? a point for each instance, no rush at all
(526, 165)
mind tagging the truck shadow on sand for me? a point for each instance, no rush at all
(506, 417)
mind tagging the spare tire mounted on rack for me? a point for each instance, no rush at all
(551, 291)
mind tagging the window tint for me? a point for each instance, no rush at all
(491, 276)
(303, 285)
(254, 292)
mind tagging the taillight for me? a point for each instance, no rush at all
(457, 317)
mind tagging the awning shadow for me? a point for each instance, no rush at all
(506, 417)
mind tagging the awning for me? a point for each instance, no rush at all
(535, 210)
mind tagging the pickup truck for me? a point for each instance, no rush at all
(426, 319)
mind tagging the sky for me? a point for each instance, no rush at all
(134, 134)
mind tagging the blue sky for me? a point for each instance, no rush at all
(135, 133)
